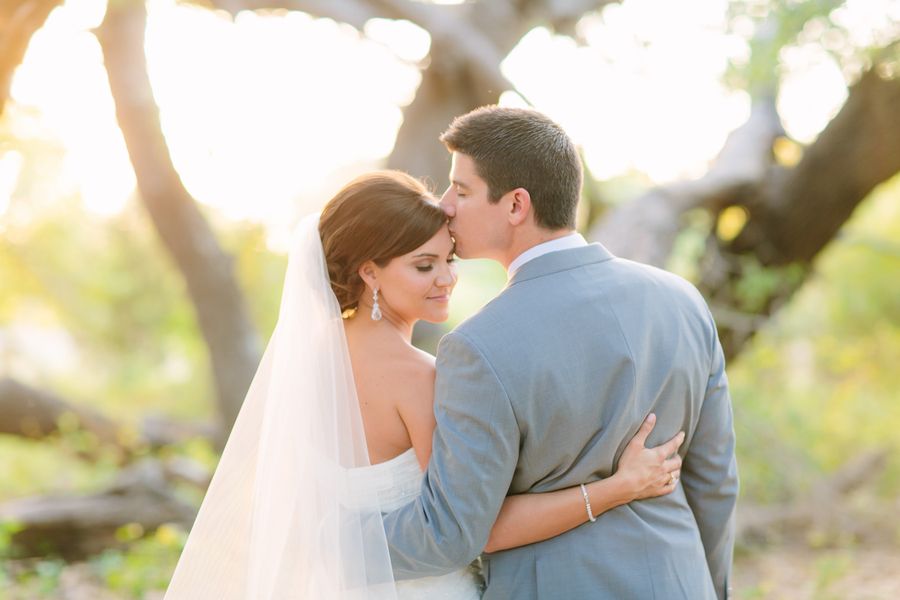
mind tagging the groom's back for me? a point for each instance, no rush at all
(586, 354)
(587, 346)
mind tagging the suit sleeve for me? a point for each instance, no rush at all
(474, 453)
(709, 473)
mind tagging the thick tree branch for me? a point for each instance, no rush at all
(792, 213)
(795, 212)
(35, 414)
(208, 271)
(645, 228)
(78, 526)
(859, 149)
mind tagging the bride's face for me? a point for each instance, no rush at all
(418, 285)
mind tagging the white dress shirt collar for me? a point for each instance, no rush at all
(573, 240)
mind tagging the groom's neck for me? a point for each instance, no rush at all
(527, 239)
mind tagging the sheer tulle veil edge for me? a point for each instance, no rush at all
(276, 522)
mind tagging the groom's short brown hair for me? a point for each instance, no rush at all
(517, 147)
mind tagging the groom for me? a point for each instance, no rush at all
(543, 388)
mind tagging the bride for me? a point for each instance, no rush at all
(336, 427)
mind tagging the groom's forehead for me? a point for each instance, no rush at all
(463, 172)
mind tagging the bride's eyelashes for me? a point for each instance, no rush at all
(429, 267)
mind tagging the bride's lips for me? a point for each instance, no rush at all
(441, 298)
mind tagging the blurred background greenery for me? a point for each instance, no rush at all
(752, 146)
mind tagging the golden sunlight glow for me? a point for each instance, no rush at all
(809, 67)
(266, 115)
(10, 166)
(63, 76)
(658, 109)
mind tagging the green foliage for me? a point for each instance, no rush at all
(39, 579)
(479, 281)
(8, 529)
(260, 271)
(104, 290)
(830, 569)
(758, 283)
(108, 284)
(820, 385)
(110, 288)
(146, 565)
(769, 26)
(690, 244)
(31, 467)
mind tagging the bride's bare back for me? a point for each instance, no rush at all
(395, 386)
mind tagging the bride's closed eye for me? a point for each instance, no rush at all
(427, 268)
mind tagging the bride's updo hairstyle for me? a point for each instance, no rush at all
(377, 217)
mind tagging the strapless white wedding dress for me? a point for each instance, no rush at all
(393, 484)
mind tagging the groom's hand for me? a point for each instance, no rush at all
(650, 472)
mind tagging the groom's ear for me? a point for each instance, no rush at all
(519, 206)
(368, 272)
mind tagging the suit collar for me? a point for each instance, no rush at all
(572, 240)
(561, 260)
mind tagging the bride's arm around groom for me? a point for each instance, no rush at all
(474, 454)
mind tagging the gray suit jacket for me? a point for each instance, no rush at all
(542, 390)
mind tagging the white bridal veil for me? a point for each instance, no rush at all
(277, 522)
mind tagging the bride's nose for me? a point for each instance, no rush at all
(445, 279)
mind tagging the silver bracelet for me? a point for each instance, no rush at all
(587, 504)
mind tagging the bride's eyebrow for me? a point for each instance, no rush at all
(425, 256)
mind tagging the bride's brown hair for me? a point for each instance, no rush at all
(377, 217)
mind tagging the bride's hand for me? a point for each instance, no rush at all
(650, 472)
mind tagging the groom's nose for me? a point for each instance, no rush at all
(447, 205)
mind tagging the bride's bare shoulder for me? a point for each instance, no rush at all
(387, 364)
(413, 366)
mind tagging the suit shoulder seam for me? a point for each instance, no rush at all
(477, 348)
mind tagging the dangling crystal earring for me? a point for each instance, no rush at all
(376, 310)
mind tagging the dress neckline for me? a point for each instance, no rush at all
(386, 463)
